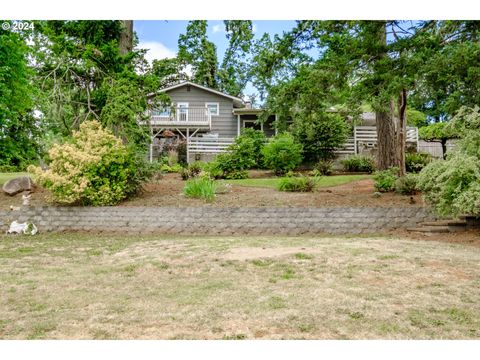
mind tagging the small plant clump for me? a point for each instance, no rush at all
(385, 180)
(406, 185)
(359, 163)
(415, 162)
(200, 188)
(324, 167)
(298, 184)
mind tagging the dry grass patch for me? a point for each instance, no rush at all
(77, 286)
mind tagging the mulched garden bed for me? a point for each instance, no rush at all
(168, 192)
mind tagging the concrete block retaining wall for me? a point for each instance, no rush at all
(218, 221)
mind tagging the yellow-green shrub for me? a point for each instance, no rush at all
(93, 168)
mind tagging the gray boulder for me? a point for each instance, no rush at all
(17, 185)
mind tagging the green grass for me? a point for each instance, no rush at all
(4, 177)
(325, 181)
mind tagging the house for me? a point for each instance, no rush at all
(206, 119)
(207, 122)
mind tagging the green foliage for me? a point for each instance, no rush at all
(19, 130)
(124, 105)
(84, 76)
(406, 185)
(452, 186)
(93, 168)
(200, 188)
(214, 170)
(298, 184)
(416, 118)
(282, 153)
(196, 168)
(185, 174)
(358, 163)
(320, 134)
(385, 179)
(177, 168)
(415, 162)
(248, 147)
(234, 73)
(244, 153)
(196, 50)
(436, 131)
(229, 166)
(324, 167)
(450, 72)
(11, 168)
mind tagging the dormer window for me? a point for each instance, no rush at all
(213, 108)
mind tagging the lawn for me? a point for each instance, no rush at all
(325, 181)
(79, 286)
(4, 177)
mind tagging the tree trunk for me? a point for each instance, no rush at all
(401, 131)
(126, 37)
(444, 148)
(386, 156)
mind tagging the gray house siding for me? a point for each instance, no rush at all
(225, 124)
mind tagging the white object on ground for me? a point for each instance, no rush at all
(26, 228)
(26, 200)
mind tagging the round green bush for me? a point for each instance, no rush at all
(282, 153)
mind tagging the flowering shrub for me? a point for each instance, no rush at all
(93, 168)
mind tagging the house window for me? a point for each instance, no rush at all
(162, 112)
(213, 108)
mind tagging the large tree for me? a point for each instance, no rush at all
(81, 66)
(234, 73)
(18, 128)
(375, 62)
(195, 50)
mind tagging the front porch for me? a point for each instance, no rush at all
(248, 118)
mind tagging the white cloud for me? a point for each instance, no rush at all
(156, 50)
(188, 70)
(218, 28)
(254, 28)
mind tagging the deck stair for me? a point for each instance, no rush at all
(440, 226)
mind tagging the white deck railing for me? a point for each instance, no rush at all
(208, 145)
(181, 117)
(362, 134)
(368, 134)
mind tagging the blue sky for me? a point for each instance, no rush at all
(161, 36)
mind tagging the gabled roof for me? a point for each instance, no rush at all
(237, 101)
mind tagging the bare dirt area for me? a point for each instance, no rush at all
(81, 286)
(168, 192)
